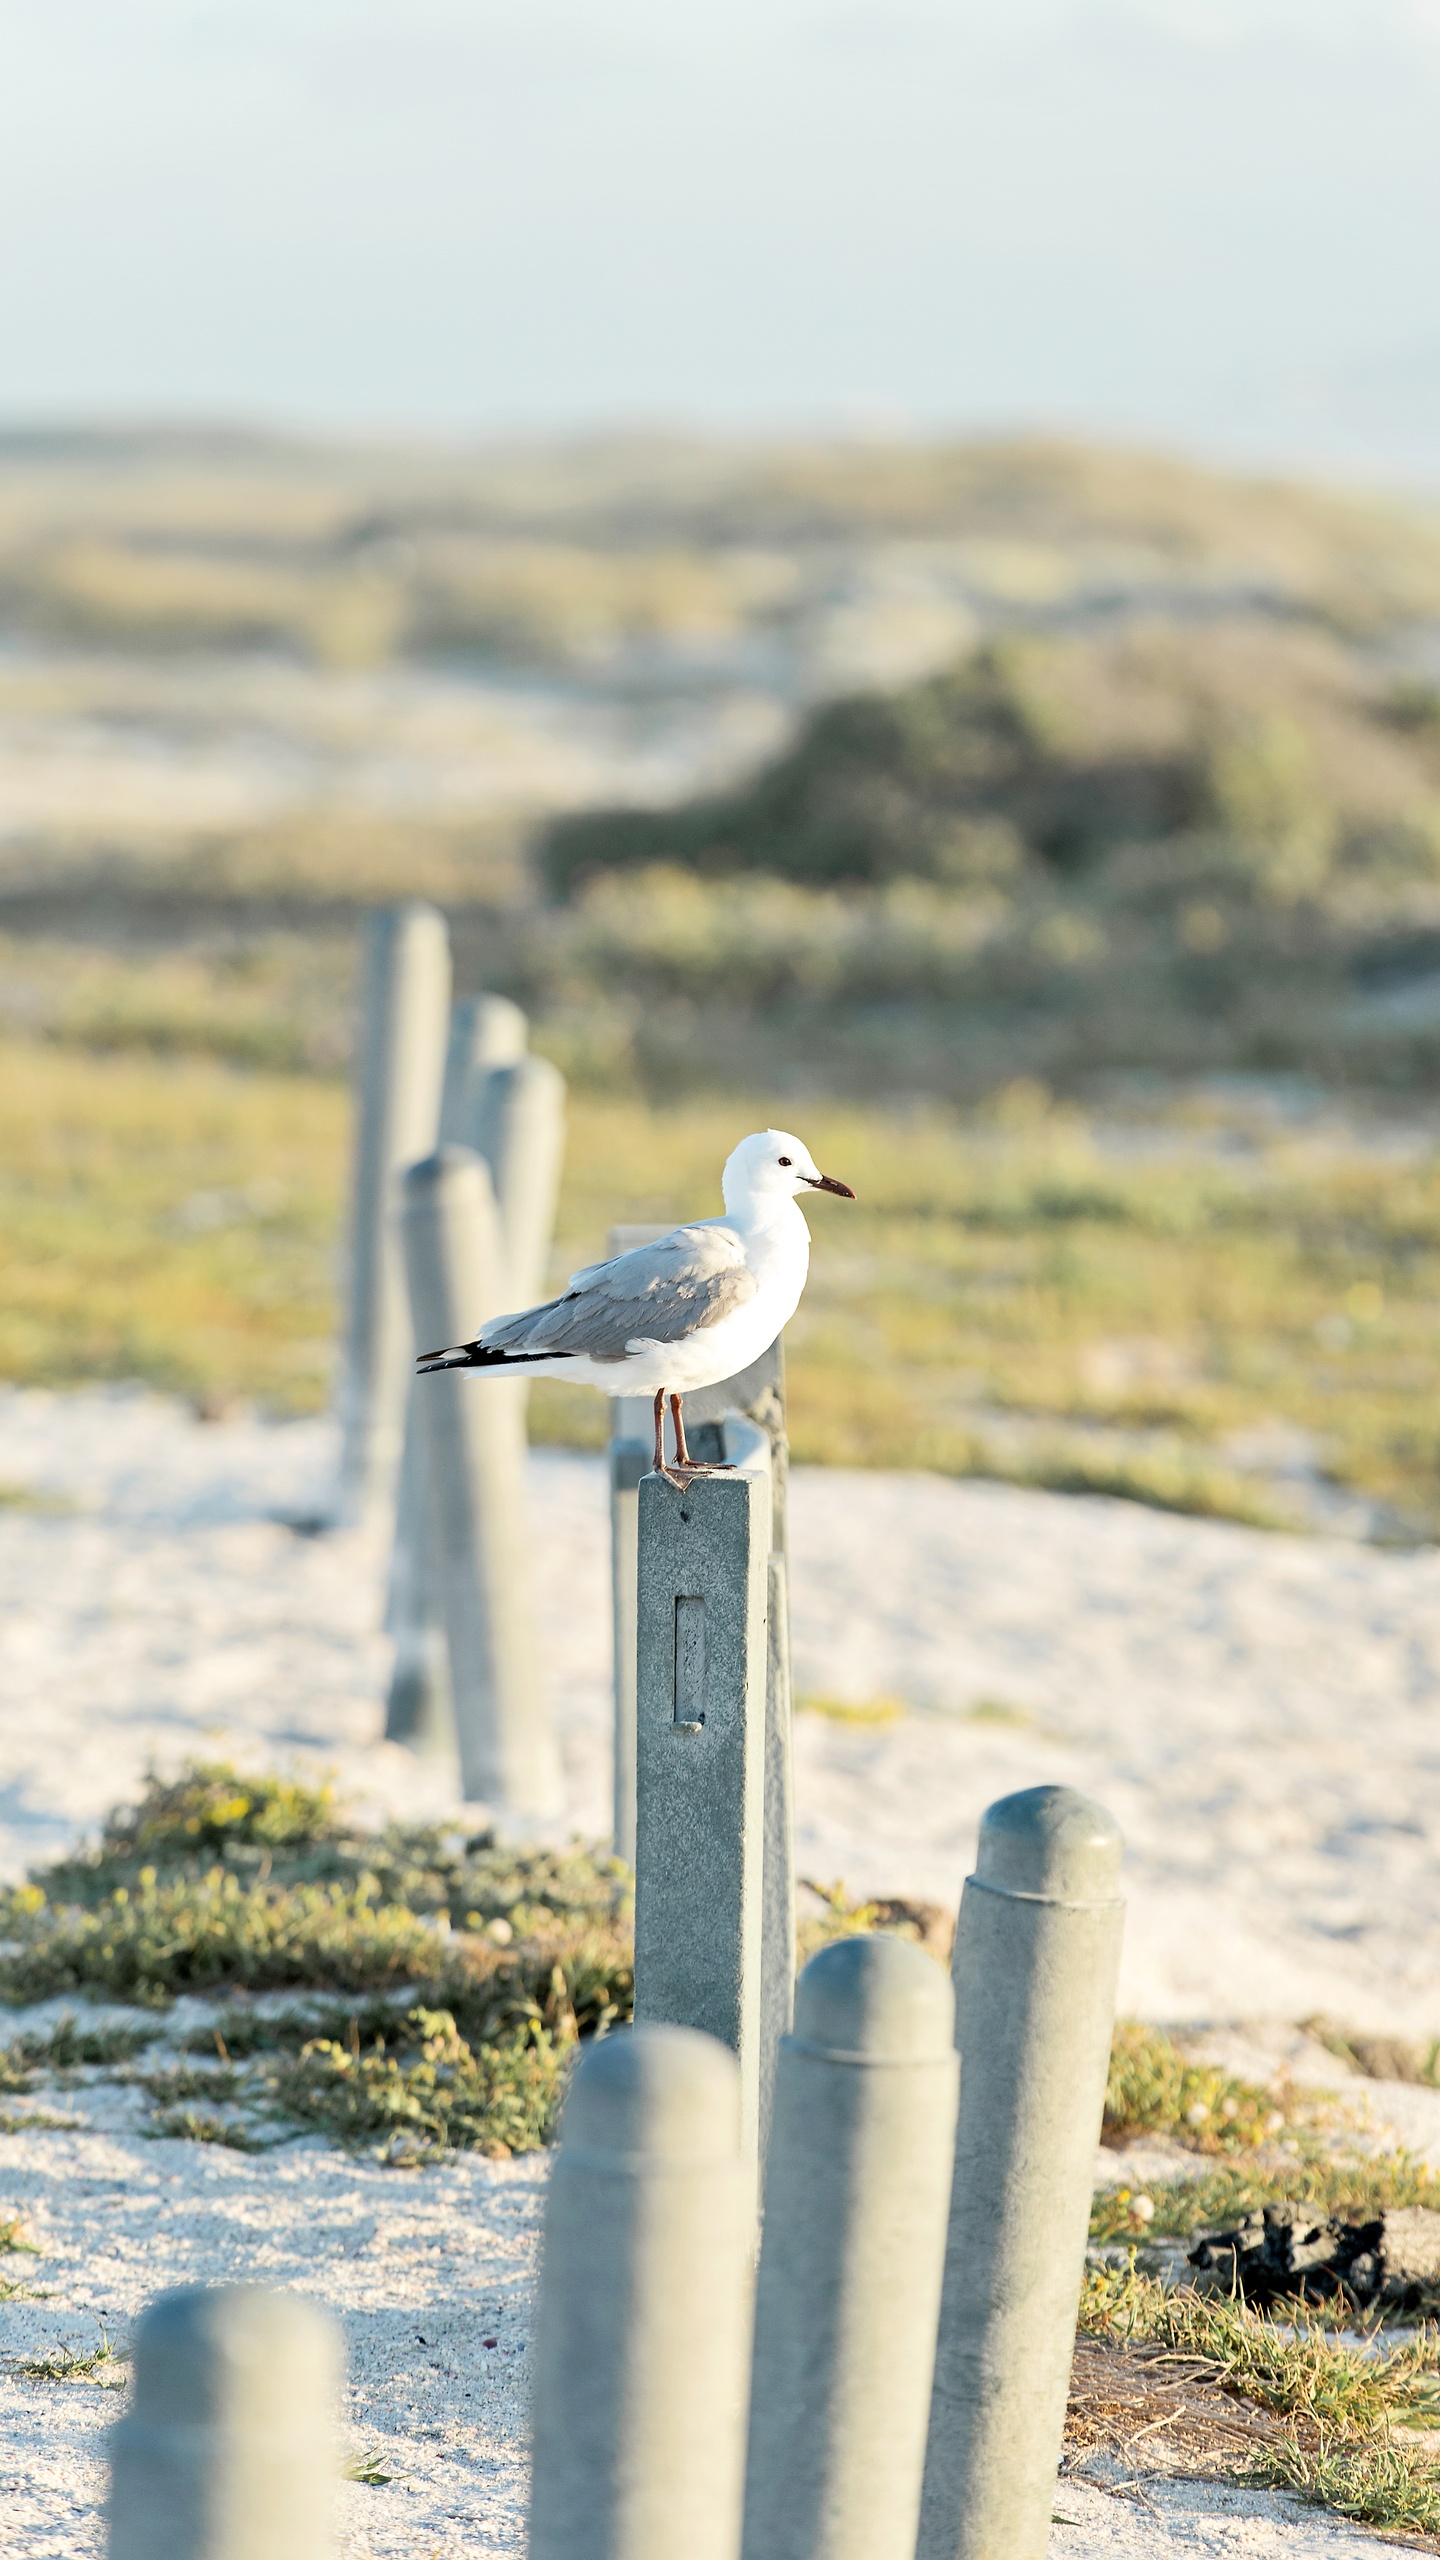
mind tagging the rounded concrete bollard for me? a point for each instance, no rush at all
(642, 2345)
(486, 1032)
(227, 2449)
(1036, 1954)
(400, 1060)
(855, 2202)
(472, 1431)
(521, 1135)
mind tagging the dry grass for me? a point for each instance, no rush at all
(1014, 1294)
(170, 1221)
(1331, 2421)
(349, 555)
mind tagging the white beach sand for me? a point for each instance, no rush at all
(1258, 1711)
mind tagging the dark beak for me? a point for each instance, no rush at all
(827, 1182)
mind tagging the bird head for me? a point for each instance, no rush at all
(772, 1165)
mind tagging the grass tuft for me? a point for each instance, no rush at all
(444, 1979)
(370, 2471)
(1347, 2405)
(193, 2124)
(882, 1710)
(1176, 2208)
(430, 2091)
(65, 2364)
(1153, 2089)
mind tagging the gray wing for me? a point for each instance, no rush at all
(658, 1292)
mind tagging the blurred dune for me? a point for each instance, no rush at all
(1059, 828)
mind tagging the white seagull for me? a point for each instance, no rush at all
(694, 1307)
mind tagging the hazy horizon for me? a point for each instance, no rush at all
(1188, 224)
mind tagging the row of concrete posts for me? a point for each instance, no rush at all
(458, 1145)
(891, 2386)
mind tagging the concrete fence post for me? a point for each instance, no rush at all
(856, 2192)
(757, 1394)
(703, 1606)
(629, 1454)
(642, 2345)
(399, 1063)
(520, 1132)
(1036, 1954)
(227, 2448)
(629, 1461)
(777, 1951)
(486, 1032)
(487, 1035)
(473, 1438)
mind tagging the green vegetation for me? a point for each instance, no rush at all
(1092, 864)
(1264, 760)
(1343, 2183)
(1179, 850)
(370, 2471)
(1152, 2088)
(1268, 2143)
(1347, 2407)
(512, 1957)
(1115, 1305)
(444, 1982)
(347, 557)
(68, 2364)
(169, 1222)
(217, 1883)
(434, 2093)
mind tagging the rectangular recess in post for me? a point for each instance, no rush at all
(689, 1665)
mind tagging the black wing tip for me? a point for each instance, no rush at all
(475, 1355)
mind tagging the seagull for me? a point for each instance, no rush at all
(694, 1307)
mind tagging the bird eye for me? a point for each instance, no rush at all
(785, 1160)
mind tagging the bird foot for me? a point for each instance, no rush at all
(684, 1471)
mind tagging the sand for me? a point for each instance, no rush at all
(1257, 1711)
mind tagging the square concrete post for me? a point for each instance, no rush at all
(487, 1035)
(1037, 1949)
(226, 2450)
(758, 1394)
(473, 1437)
(755, 1398)
(399, 1064)
(631, 1439)
(777, 1956)
(629, 1461)
(703, 1624)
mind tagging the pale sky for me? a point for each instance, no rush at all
(1213, 222)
